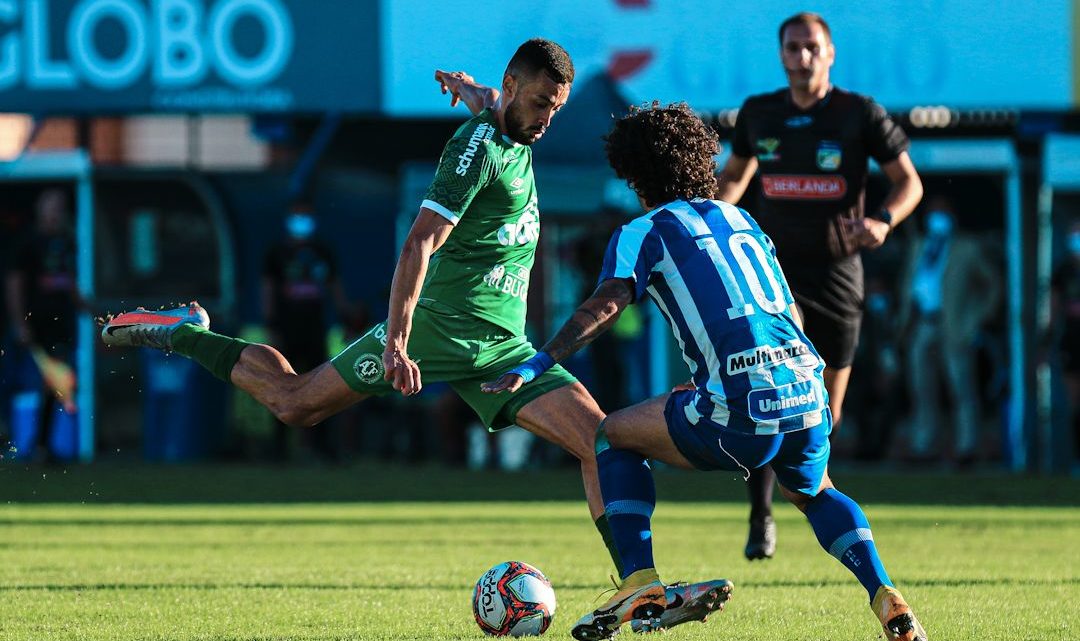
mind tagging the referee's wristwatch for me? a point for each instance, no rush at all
(884, 215)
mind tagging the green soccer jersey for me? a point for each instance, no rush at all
(484, 185)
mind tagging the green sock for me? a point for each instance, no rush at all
(609, 541)
(215, 352)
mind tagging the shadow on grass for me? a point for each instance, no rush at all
(102, 483)
(456, 587)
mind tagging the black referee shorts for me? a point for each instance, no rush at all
(835, 336)
(830, 297)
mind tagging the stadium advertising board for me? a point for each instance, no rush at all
(92, 56)
(961, 53)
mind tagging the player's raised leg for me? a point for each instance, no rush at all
(260, 370)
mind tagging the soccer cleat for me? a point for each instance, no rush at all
(688, 602)
(146, 328)
(761, 543)
(896, 617)
(645, 604)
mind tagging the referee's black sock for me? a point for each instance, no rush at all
(760, 486)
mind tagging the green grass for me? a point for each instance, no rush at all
(373, 553)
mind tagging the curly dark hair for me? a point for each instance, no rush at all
(664, 153)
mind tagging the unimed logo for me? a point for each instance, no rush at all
(178, 43)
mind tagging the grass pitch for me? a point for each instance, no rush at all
(374, 553)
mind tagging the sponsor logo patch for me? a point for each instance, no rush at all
(828, 155)
(512, 281)
(804, 187)
(798, 122)
(768, 147)
(368, 368)
(784, 402)
(796, 354)
(482, 132)
(526, 230)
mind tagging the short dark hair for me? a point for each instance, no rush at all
(538, 55)
(664, 153)
(807, 18)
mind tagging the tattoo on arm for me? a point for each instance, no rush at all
(592, 318)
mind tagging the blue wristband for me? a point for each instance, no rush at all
(535, 366)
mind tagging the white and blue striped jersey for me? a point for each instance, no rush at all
(714, 276)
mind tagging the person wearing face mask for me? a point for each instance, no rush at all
(1065, 287)
(810, 144)
(299, 277)
(950, 291)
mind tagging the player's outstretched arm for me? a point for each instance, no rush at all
(428, 233)
(464, 88)
(591, 319)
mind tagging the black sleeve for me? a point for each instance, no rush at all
(740, 138)
(885, 140)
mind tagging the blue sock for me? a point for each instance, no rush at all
(842, 529)
(629, 493)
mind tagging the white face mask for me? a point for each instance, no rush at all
(1073, 243)
(939, 223)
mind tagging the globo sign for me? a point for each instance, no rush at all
(174, 43)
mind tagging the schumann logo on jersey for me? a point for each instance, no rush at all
(482, 132)
(804, 187)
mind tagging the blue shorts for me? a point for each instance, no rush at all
(799, 458)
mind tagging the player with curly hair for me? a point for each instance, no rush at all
(757, 395)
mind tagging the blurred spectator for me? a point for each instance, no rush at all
(42, 301)
(948, 293)
(1065, 287)
(299, 278)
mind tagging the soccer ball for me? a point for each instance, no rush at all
(513, 598)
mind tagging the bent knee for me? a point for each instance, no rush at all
(296, 410)
(802, 499)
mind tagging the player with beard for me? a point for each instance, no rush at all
(810, 142)
(458, 299)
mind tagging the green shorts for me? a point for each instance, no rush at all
(459, 350)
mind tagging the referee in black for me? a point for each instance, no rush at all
(810, 144)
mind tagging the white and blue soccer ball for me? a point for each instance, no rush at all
(513, 598)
